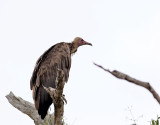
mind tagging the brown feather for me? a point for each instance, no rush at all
(45, 72)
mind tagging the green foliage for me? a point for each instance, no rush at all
(155, 122)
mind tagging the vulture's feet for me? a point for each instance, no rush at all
(64, 99)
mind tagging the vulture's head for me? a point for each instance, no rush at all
(77, 42)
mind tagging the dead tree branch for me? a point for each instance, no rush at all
(28, 109)
(126, 77)
(58, 98)
(58, 101)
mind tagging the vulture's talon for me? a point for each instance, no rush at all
(64, 99)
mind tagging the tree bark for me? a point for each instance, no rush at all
(128, 78)
(58, 100)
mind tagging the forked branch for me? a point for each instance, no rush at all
(58, 101)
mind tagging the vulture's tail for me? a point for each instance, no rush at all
(42, 102)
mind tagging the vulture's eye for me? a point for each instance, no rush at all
(82, 40)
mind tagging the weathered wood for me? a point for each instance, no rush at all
(58, 98)
(28, 109)
(128, 78)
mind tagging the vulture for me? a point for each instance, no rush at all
(56, 57)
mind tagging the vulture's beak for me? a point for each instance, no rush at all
(87, 43)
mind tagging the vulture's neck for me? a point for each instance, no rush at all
(73, 48)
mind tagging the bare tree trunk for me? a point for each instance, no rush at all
(57, 98)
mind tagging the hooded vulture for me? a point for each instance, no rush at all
(56, 57)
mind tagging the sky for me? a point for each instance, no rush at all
(125, 35)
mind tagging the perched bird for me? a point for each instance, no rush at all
(56, 57)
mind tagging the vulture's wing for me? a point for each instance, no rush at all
(45, 72)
